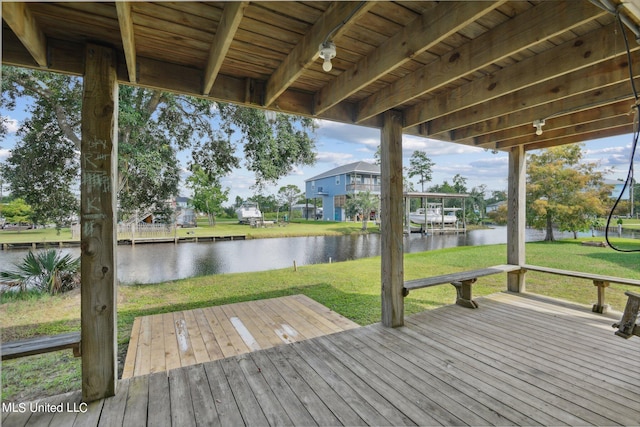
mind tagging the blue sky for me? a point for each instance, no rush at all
(338, 144)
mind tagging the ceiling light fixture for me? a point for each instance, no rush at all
(538, 123)
(327, 52)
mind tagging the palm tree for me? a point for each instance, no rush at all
(47, 271)
(362, 203)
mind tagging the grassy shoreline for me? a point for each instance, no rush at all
(351, 288)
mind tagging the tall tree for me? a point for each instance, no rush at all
(154, 126)
(564, 191)
(208, 195)
(289, 195)
(420, 165)
(362, 204)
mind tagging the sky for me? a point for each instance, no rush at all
(339, 144)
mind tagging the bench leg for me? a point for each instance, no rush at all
(465, 296)
(628, 324)
(600, 307)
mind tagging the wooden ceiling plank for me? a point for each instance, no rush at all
(595, 47)
(489, 140)
(24, 26)
(128, 39)
(229, 23)
(306, 52)
(419, 35)
(529, 28)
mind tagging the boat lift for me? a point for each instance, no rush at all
(437, 200)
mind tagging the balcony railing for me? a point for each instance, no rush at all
(352, 188)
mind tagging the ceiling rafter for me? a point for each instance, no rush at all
(24, 26)
(567, 131)
(229, 23)
(125, 20)
(306, 52)
(587, 98)
(529, 28)
(573, 139)
(596, 47)
(504, 136)
(419, 35)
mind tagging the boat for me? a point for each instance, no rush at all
(247, 212)
(433, 214)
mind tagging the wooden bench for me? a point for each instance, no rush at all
(462, 281)
(38, 345)
(628, 325)
(599, 280)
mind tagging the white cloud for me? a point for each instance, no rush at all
(12, 125)
(4, 154)
(334, 158)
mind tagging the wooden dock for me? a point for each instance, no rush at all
(517, 360)
(167, 341)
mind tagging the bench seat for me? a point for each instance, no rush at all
(38, 345)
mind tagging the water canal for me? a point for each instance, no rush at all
(152, 263)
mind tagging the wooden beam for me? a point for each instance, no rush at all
(523, 31)
(504, 137)
(516, 218)
(595, 47)
(19, 18)
(627, 129)
(392, 270)
(419, 35)
(98, 162)
(591, 99)
(128, 39)
(553, 133)
(229, 23)
(571, 92)
(306, 52)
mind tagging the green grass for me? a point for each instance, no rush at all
(351, 288)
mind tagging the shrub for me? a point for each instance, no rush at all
(47, 271)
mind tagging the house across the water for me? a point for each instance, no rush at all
(336, 185)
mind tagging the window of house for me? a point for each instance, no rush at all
(337, 179)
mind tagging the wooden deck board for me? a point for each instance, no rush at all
(514, 361)
(162, 342)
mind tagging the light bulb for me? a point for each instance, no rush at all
(326, 65)
(539, 131)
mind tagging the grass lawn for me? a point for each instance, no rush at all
(351, 288)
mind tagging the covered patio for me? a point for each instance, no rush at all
(504, 75)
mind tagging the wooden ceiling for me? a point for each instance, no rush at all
(473, 72)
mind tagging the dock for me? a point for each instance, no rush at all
(122, 241)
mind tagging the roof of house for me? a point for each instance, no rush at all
(351, 167)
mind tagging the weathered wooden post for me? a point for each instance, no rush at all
(516, 217)
(97, 219)
(392, 274)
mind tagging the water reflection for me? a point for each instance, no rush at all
(163, 262)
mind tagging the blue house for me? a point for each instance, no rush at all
(336, 185)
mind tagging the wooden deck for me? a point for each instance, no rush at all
(517, 360)
(172, 340)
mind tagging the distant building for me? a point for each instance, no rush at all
(495, 206)
(335, 185)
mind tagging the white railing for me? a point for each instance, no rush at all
(135, 231)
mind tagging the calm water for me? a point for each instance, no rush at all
(162, 262)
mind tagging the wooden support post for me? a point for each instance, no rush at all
(98, 160)
(601, 306)
(465, 293)
(392, 271)
(516, 217)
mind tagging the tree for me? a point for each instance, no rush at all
(208, 195)
(17, 211)
(362, 204)
(459, 184)
(289, 195)
(563, 191)
(153, 126)
(421, 165)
